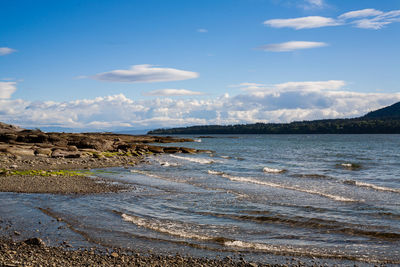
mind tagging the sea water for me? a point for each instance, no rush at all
(333, 197)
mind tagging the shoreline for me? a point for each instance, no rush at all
(65, 170)
(33, 162)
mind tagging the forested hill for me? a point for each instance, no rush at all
(382, 121)
(392, 111)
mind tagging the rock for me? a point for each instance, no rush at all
(72, 148)
(20, 151)
(17, 233)
(188, 150)
(57, 153)
(43, 152)
(7, 137)
(114, 255)
(172, 150)
(35, 242)
(156, 149)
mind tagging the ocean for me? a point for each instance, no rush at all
(330, 198)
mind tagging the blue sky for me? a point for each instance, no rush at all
(147, 64)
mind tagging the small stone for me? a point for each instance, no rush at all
(114, 255)
(35, 242)
(17, 233)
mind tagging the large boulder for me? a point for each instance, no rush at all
(172, 150)
(20, 151)
(188, 150)
(155, 149)
(7, 137)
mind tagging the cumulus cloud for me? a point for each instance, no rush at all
(145, 74)
(291, 46)
(7, 89)
(284, 102)
(6, 50)
(365, 18)
(172, 92)
(302, 23)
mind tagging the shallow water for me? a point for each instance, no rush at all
(324, 196)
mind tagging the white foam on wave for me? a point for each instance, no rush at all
(251, 245)
(170, 228)
(215, 172)
(148, 174)
(167, 164)
(377, 187)
(270, 184)
(272, 170)
(197, 160)
(197, 140)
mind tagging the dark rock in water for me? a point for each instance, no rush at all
(35, 242)
(172, 150)
(155, 149)
(188, 150)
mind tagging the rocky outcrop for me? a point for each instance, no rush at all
(20, 142)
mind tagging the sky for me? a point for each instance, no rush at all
(89, 65)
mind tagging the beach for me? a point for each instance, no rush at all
(25, 171)
(106, 199)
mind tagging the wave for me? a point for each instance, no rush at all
(197, 140)
(182, 230)
(329, 226)
(270, 184)
(376, 187)
(312, 176)
(215, 172)
(272, 170)
(170, 228)
(197, 160)
(167, 164)
(350, 166)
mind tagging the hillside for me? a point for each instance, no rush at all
(382, 121)
(392, 111)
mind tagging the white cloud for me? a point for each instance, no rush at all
(365, 18)
(291, 46)
(145, 74)
(202, 30)
(282, 102)
(302, 23)
(7, 89)
(370, 24)
(6, 50)
(172, 92)
(312, 4)
(369, 12)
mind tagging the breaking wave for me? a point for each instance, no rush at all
(272, 170)
(349, 166)
(376, 187)
(197, 160)
(169, 228)
(270, 184)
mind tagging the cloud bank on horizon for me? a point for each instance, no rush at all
(285, 102)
